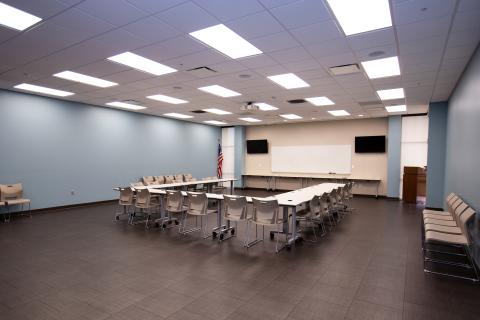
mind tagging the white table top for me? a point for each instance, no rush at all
(288, 199)
(181, 184)
(326, 176)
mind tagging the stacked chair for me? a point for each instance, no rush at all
(447, 242)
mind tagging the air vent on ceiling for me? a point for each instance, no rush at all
(344, 69)
(368, 103)
(198, 111)
(202, 72)
(295, 101)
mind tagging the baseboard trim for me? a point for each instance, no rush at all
(71, 206)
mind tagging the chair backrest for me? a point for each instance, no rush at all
(235, 206)
(197, 203)
(315, 206)
(160, 179)
(174, 200)
(148, 180)
(11, 191)
(143, 198)
(178, 178)
(323, 204)
(333, 197)
(136, 184)
(126, 196)
(168, 179)
(265, 211)
(450, 195)
(455, 203)
(339, 195)
(464, 218)
(188, 177)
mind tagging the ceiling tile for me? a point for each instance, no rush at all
(255, 25)
(152, 30)
(75, 19)
(388, 51)
(290, 55)
(121, 40)
(188, 17)
(423, 45)
(41, 9)
(276, 3)
(466, 20)
(172, 48)
(274, 42)
(301, 13)
(229, 10)
(412, 11)
(423, 29)
(372, 39)
(318, 32)
(298, 66)
(465, 37)
(329, 48)
(460, 51)
(337, 60)
(116, 12)
(154, 6)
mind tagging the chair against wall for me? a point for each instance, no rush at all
(178, 178)
(235, 210)
(169, 179)
(197, 207)
(12, 195)
(173, 206)
(147, 204)
(137, 184)
(265, 213)
(125, 202)
(3, 207)
(160, 179)
(148, 180)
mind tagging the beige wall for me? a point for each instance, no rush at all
(321, 133)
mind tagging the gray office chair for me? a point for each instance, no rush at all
(197, 207)
(173, 206)
(235, 210)
(311, 218)
(265, 213)
(147, 204)
(125, 203)
(324, 204)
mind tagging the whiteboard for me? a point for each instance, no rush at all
(312, 159)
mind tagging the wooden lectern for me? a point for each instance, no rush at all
(414, 181)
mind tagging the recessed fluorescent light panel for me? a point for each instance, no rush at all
(320, 101)
(391, 94)
(289, 81)
(361, 16)
(123, 105)
(220, 91)
(16, 19)
(167, 99)
(140, 63)
(226, 41)
(178, 115)
(382, 68)
(339, 113)
(217, 111)
(78, 77)
(44, 90)
(250, 119)
(290, 116)
(399, 108)
(265, 107)
(215, 122)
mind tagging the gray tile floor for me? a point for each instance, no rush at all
(79, 264)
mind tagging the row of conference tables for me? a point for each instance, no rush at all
(289, 201)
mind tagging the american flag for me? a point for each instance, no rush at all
(219, 161)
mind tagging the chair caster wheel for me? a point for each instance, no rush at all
(176, 222)
(214, 235)
(164, 226)
(221, 236)
(232, 232)
(169, 222)
(288, 247)
(157, 225)
(272, 236)
(117, 218)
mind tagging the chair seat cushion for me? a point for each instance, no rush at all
(438, 217)
(17, 201)
(445, 213)
(443, 229)
(434, 236)
(440, 222)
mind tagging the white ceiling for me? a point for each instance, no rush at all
(433, 46)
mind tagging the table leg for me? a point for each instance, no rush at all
(231, 187)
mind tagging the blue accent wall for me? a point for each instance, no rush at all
(54, 146)
(394, 153)
(462, 174)
(240, 136)
(437, 135)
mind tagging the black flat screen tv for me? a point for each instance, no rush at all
(257, 146)
(371, 144)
